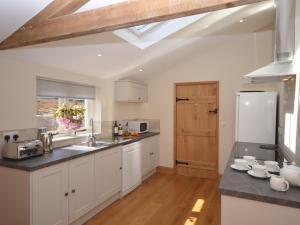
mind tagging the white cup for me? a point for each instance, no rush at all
(278, 183)
(241, 163)
(272, 165)
(250, 159)
(260, 170)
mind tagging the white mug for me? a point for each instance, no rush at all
(250, 159)
(272, 165)
(241, 163)
(278, 183)
(260, 170)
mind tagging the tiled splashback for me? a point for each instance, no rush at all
(104, 129)
(106, 126)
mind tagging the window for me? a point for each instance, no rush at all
(46, 108)
(64, 106)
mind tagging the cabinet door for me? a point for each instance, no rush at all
(108, 174)
(154, 152)
(50, 195)
(145, 154)
(81, 186)
(150, 152)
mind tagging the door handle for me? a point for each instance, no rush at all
(214, 111)
(73, 191)
(182, 99)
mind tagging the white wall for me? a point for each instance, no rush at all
(18, 93)
(226, 61)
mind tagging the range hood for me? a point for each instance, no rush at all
(283, 65)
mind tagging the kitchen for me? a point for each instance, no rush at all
(122, 79)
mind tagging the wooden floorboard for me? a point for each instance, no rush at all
(166, 199)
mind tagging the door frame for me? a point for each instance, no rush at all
(175, 119)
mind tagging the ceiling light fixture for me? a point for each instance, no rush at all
(141, 70)
(242, 20)
(99, 54)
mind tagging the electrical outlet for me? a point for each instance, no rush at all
(11, 135)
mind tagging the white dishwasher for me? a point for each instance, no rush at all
(132, 172)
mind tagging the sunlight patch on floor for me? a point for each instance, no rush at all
(191, 221)
(198, 205)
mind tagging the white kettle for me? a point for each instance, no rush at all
(292, 174)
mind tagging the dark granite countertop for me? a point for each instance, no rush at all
(241, 185)
(64, 154)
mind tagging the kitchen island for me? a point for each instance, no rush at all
(247, 200)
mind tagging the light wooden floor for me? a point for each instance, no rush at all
(166, 199)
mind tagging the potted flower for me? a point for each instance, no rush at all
(70, 118)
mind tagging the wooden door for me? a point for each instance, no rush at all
(108, 174)
(196, 129)
(50, 195)
(81, 187)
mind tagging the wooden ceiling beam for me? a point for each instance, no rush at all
(122, 15)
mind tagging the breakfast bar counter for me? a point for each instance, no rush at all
(245, 196)
(240, 184)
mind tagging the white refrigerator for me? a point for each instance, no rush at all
(256, 116)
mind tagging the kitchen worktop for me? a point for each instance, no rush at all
(67, 153)
(241, 185)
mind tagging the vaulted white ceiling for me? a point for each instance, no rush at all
(14, 13)
(119, 57)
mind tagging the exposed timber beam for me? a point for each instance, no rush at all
(122, 15)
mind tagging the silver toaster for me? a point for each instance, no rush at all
(22, 149)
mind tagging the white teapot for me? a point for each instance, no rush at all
(292, 174)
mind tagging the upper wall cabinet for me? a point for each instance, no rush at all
(131, 91)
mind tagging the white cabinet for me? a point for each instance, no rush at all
(132, 176)
(64, 192)
(108, 174)
(130, 91)
(149, 154)
(81, 187)
(50, 195)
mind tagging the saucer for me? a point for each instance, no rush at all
(253, 163)
(233, 166)
(273, 171)
(251, 173)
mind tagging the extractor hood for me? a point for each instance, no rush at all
(283, 65)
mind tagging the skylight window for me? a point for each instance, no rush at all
(94, 4)
(142, 29)
(144, 36)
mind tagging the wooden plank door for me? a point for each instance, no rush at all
(196, 129)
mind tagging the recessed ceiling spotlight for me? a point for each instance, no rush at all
(141, 70)
(206, 26)
(99, 54)
(242, 20)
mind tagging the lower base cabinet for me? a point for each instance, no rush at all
(149, 154)
(108, 174)
(70, 191)
(65, 192)
(50, 195)
(81, 187)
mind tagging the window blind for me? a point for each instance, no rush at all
(62, 89)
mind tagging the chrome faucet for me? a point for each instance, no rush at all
(92, 137)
